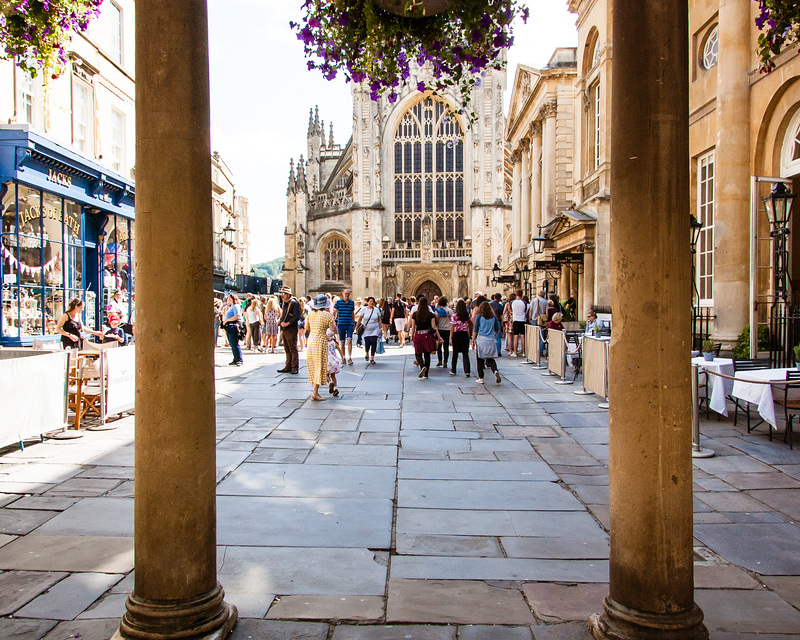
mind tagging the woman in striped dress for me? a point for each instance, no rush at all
(318, 322)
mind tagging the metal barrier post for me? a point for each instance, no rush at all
(697, 450)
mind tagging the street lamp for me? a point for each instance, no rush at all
(228, 232)
(779, 210)
(538, 243)
(696, 228)
(495, 273)
(526, 275)
(517, 274)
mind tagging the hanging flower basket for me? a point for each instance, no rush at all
(36, 32)
(376, 42)
(779, 23)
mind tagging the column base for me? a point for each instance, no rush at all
(620, 623)
(206, 617)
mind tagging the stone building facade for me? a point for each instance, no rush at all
(414, 202)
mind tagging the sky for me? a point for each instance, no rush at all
(261, 91)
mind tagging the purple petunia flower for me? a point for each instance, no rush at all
(421, 87)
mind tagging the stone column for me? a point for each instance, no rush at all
(651, 573)
(536, 178)
(525, 214)
(732, 157)
(587, 283)
(176, 593)
(548, 161)
(516, 202)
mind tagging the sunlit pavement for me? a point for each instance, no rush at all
(405, 508)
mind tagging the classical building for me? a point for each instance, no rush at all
(413, 202)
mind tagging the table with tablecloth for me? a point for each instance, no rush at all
(718, 388)
(761, 395)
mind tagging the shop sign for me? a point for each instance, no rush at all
(33, 212)
(59, 178)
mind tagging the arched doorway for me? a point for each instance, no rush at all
(429, 289)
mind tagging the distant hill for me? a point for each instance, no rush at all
(272, 269)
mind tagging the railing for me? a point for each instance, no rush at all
(453, 252)
(403, 254)
(702, 317)
(784, 334)
(338, 199)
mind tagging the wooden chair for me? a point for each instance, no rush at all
(791, 404)
(93, 378)
(702, 392)
(717, 349)
(75, 386)
(747, 365)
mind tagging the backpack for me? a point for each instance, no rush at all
(441, 312)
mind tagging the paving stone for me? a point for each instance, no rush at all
(82, 488)
(42, 503)
(278, 630)
(378, 438)
(526, 471)
(7, 498)
(356, 454)
(424, 545)
(69, 597)
(727, 576)
(43, 473)
(786, 501)
(730, 464)
(714, 484)
(567, 631)
(299, 424)
(68, 553)
(494, 632)
(352, 608)
(787, 587)
(728, 501)
(566, 547)
(304, 522)
(290, 480)
(84, 629)
(527, 432)
(582, 419)
(563, 603)
(768, 549)
(109, 517)
(18, 588)
(112, 606)
(444, 568)
(338, 437)
(284, 456)
(379, 426)
(13, 629)
(472, 494)
(5, 539)
(772, 480)
(592, 494)
(125, 490)
(399, 632)
(21, 522)
(455, 601)
(747, 612)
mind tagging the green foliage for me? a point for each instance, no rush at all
(742, 349)
(779, 23)
(797, 353)
(708, 346)
(272, 269)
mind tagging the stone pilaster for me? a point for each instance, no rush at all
(536, 178)
(525, 204)
(516, 202)
(651, 572)
(176, 593)
(548, 114)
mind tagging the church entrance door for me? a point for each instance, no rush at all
(428, 289)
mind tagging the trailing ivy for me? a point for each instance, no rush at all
(779, 23)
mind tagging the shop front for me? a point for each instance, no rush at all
(67, 232)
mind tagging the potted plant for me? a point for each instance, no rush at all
(796, 350)
(708, 350)
(454, 45)
(35, 33)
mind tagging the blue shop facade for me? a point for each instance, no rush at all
(67, 232)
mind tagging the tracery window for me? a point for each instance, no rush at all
(336, 260)
(429, 173)
(711, 49)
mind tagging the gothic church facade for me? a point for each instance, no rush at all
(414, 202)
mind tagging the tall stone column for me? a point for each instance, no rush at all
(176, 593)
(732, 157)
(651, 573)
(516, 201)
(548, 161)
(525, 214)
(536, 178)
(587, 282)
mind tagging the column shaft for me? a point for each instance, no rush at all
(732, 157)
(176, 593)
(549, 166)
(587, 294)
(525, 214)
(651, 572)
(536, 184)
(516, 204)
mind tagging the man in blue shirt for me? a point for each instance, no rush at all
(344, 315)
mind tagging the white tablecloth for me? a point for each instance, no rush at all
(760, 394)
(718, 388)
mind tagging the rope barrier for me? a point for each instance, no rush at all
(781, 383)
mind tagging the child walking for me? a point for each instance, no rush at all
(334, 361)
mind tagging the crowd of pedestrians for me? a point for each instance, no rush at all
(326, 327)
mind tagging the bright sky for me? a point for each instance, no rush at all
(261, 92)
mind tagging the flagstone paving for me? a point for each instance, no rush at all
(408, 509)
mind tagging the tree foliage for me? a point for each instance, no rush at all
(271, 269)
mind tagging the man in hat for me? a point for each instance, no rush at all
(290, 316)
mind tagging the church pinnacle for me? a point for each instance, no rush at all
(310, 122)
(292, 186)
(316, 119)
(301, 175)
(330, 144)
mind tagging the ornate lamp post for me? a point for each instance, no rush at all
(696, 227)
(526, 276)
(539, 241)
(779, 211)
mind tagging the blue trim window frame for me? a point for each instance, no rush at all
(117, 236)
(43, 262)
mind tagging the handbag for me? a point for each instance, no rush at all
(363, 326)
(381, 348)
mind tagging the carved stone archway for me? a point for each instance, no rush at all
(429, 289)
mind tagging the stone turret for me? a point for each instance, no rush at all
(331, 145)
(322, 143)
(301, 176)
(292, 185)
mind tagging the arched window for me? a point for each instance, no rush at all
(710, 49)
(336, 260)
(428, 173)
(591, 51)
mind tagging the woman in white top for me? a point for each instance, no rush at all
(519, 313)
(443, 313)
(370, 317)
(254, 320)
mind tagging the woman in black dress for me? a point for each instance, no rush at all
(70, 326)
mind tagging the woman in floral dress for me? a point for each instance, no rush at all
(271, 324)
(318, 322)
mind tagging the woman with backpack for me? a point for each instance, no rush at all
(443, 313)
(460, 330)
(484, 341)
(424, 335)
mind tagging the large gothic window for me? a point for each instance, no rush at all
(336, 260)
(428, 173)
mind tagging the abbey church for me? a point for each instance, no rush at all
(415, 201)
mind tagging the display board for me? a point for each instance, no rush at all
(556, 352)
(595, 365)
(532, 333)
(120, 366)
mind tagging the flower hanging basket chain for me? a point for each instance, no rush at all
(379, 42)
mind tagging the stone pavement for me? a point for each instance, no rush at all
(404, 509)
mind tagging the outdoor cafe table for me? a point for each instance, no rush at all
(718, 388)
(761, 395)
